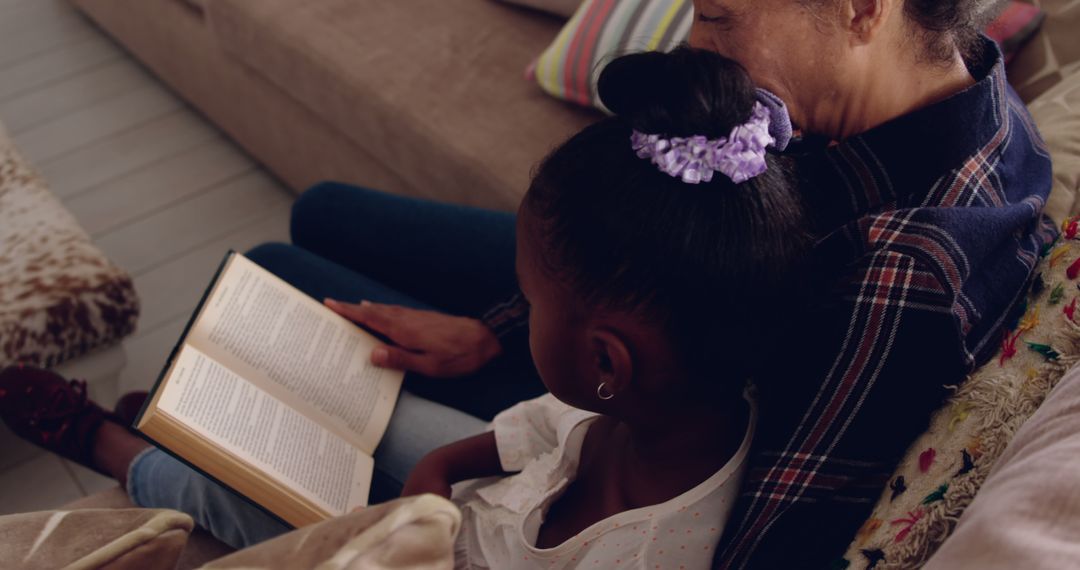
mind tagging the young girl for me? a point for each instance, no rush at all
(655, 248)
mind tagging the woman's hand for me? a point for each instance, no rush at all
(429, 343)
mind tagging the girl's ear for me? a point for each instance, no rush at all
(612, 364)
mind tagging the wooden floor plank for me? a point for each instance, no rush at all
(170, 293)
(114, 156)
(16, 450)
(146, 355)
(78, 129)
(142, 244)
(172, 290)
(47, 68)
(162, 191)
(79, 91)
(44, 15)
(51, 486)
(28, 41)
(110, 206)
(8, 6)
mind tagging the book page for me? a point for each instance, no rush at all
(264, 432)
(300, 351)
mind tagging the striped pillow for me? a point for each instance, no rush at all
(601, 30)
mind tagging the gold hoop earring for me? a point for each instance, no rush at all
(600, 392)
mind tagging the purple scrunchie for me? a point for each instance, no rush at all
(779, 120)
(740, 156)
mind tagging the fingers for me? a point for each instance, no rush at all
(355, 312)
(426, 342)
(389, 320)
(400, 359)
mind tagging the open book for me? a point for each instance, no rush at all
(273, 395)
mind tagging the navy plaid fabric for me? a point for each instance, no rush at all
(933, 224)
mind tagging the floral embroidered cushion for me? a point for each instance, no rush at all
(1025, 514)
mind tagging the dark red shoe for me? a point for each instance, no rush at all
(45, 409)
(128, 407)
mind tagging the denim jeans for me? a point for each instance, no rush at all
(350, 244)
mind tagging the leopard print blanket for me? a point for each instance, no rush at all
(59, 296)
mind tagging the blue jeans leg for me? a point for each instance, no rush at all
(454, 258)
(320, 278)
(158, 480)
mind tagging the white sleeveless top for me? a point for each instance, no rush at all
(542, 439)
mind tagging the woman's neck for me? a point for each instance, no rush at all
(883, 93)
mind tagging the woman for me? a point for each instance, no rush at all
(929, 206)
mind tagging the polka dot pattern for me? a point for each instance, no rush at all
(502, 519)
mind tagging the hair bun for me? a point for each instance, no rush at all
(681, 93)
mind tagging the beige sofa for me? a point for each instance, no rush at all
(422, 97)
(425, 97)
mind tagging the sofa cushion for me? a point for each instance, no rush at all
(1054, 52)
(570, 67)
(59, 296)
(201, 546)
(431, 88)
(113, 539)
(414, 533)
(1057, 112)
(1014, 26)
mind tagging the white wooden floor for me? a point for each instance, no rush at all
(162, 192)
